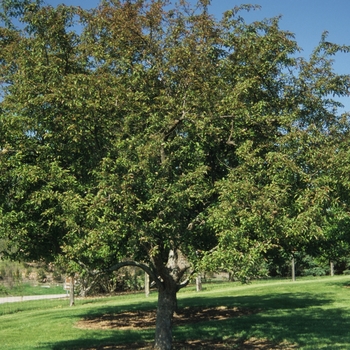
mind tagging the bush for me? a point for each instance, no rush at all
(311, 266)
(314, 271)
(124, 280)
(4, 290)
(42, 277)
(57, 276)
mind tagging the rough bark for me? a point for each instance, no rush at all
(165, 310)
(169, 279)
(171, 276)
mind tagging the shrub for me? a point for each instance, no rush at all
(42, 277)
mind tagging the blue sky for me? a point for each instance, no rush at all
(307, 19)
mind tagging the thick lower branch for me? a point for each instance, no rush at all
(118, 266)
(144, 267)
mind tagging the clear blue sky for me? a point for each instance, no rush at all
(307, 19)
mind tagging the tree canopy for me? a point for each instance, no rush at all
(159, 136)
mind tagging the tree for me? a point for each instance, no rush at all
(286, 194)
(134, 134)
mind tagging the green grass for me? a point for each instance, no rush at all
(312, 313)
(22, 289)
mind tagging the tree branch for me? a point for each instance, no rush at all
(186, 281)
(144, 267)
(168, 133)
(173, 127)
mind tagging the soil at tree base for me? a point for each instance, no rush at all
(146, 319)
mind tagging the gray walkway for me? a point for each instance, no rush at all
(31, 297)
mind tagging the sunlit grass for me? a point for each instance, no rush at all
(312, 313)
(22, 289)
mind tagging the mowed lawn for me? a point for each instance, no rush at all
(311, 313)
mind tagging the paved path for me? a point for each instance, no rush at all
(31, 297)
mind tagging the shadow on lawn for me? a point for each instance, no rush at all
(99, 339)
(299, 318)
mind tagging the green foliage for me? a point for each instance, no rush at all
(21, 278)
(124, 280)
(42, 275)
(134, 281)
(10, 274)
(3, 290)
(312, 267)
(25, 288)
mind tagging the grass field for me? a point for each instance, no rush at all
(29, 289)
(307, 314)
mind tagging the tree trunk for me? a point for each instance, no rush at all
(293, 268)
(71, 291)
(168, 286)
(332, 268)
(166, 307)
(199, 283)
(146, 284)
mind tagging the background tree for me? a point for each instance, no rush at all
(134, 134)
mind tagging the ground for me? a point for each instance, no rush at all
(146, 319)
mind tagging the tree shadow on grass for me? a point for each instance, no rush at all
(298, 318)
(94, 340)
(275, 301)
(345, 284)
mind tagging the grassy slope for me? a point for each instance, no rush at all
(315, 314)
(311, 313)
(28, 289)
